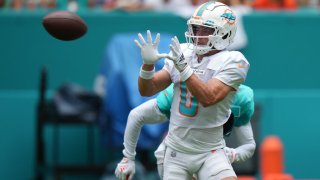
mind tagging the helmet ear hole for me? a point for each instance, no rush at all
(225, 36)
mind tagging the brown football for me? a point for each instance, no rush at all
(64, 25)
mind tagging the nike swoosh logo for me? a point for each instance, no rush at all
(242, 66)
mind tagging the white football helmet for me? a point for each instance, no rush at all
(217, 16)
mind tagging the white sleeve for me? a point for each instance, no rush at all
(244, 136)
(235, 71)
(146, 113)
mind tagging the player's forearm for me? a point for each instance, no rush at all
(204, 94)
(131, 135)
(150, 86)
(244, 135)
(146, 113)
(146, 86)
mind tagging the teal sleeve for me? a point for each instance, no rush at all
(243, 105)
(246, 115)
(164, 100)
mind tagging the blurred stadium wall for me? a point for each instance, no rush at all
(283, 52)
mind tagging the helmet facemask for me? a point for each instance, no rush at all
(212, 38)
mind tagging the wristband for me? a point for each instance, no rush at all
(146, 74)
(186, 73)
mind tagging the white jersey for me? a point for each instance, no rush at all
(194, 128)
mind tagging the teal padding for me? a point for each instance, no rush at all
(243, 105)
(164, 100)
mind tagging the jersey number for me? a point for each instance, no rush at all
(188, 104)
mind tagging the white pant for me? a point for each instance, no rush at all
(173, 165)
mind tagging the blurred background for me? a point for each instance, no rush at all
(40, 141)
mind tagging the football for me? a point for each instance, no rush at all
(64, 25)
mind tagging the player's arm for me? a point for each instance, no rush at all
(146, 113)
(244, 135)
(246, 150)
(208, 93)
(160, 80)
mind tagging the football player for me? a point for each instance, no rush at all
(158, 111)
(206, 78)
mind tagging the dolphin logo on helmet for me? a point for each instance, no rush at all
(229, 17)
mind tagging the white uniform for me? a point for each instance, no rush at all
(195, 130)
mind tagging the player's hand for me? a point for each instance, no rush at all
(177, 56)
(231, 154)
(178, 59)
(149, 49)
(125, 169)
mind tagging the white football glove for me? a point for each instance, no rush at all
(149, 50)
(178, 59)
(231, 154)
(125, 169)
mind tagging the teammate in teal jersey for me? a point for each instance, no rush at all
(158, 111)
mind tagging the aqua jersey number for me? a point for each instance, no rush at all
(188, 104)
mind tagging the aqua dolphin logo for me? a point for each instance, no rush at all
(228, 16)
